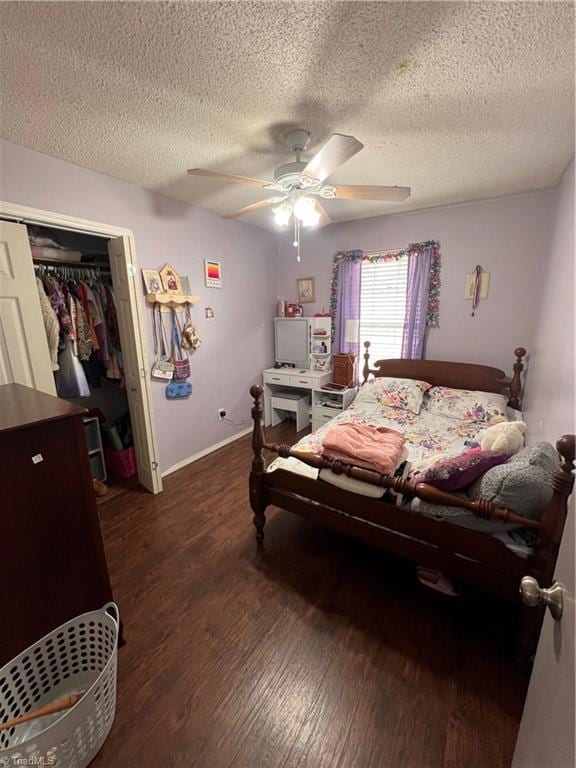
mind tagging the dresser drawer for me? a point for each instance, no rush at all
(303, 381)
(277, 378)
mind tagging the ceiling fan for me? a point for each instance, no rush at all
(299, 185)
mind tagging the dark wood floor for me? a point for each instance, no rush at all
(320, 653)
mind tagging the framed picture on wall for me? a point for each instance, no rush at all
(306, 290)
(170, 279)
(213, 274)
(152, 281)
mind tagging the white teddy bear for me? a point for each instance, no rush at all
(503, 436)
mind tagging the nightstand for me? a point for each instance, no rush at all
(326, 404)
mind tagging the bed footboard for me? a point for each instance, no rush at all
(481, 507)
(475, 557)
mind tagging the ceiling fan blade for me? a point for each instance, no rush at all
(324, 218)
(227, 177)
(337, 150)
(389, 194)
(249, 208)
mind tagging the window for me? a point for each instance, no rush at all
(383, 306)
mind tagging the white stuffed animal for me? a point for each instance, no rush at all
(503, 436)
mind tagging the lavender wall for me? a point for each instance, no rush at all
(526, 242)
(549, 398)
(506, 236)
(236, 346)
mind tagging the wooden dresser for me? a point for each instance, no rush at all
(52, 561)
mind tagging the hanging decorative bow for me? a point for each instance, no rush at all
(477, 286)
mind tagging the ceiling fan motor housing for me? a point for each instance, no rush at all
(289, 169)
(298, 140)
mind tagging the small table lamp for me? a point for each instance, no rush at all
(351, 331)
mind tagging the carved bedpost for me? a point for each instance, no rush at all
(516, 381)
(543, 561)
(554, 516)
(258, 466)
(366, 369)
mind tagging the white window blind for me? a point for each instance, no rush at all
(382, 307)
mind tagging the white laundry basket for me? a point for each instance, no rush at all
(81, 655)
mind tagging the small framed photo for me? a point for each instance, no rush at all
(208, 313)
(213, 274)
(170, 279)
(152, 281)
(321, 364)
(306, 290)
(294, 310)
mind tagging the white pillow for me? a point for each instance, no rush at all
(404, 394)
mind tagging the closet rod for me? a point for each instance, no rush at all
(75, 264)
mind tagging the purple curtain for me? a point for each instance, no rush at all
(416, 303)
(347, 305)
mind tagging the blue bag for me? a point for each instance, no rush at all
(178, 389)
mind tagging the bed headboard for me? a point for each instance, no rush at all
(456, 375)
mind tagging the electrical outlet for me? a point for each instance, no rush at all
(221, 414)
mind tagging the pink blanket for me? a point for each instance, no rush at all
(377, 448)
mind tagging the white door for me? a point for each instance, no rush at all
(135, 362)
(546, 736)
(24, 355)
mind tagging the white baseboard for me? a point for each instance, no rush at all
(206, 451)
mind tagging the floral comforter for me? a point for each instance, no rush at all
(428, 437)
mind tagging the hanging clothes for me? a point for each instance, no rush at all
(85, 341)
(70, 379)
(51, 326)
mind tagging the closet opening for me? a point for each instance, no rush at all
(76, 294)
(71, 325)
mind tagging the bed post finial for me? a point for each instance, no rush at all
(366, 369)
(258, 466)
(516, 381)
(256, 390)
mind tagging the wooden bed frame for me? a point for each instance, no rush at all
(470, 556)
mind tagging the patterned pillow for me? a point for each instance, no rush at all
(466, 404)
(460, 471)
(405, 394)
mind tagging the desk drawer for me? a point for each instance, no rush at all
(322, 415)
(303, 381)
(277, 378)
(320, 412)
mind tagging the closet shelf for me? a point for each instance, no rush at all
(172, 299)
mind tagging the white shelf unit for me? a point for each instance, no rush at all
(95, 450)
(327, 403)
(320, 343)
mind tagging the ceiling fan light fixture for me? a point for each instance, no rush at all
(282, 214)
(304, 207)
(312, 219)
(306, 211)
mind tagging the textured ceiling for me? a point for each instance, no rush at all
(460, 101)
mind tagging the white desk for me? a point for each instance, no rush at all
(290, 378)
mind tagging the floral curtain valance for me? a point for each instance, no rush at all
(414, 249)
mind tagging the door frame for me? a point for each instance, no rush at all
(25, 215)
